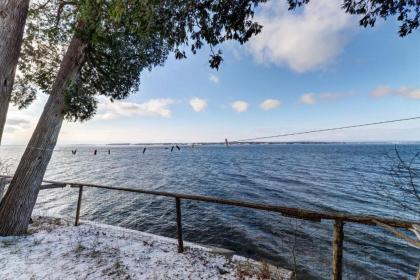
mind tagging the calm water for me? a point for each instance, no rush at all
(320, 177)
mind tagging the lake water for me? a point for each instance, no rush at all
(340, 177)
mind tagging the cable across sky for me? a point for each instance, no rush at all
(326, 129)
(296, 133)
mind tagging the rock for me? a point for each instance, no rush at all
(222, 271)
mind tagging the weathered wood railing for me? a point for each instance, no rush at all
(339, 218)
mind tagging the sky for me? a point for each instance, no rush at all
(311, 69)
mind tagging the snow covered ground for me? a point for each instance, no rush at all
(55, 249)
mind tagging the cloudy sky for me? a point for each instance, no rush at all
(312, 69)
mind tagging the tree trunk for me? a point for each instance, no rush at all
(17, 205)
(12, 23)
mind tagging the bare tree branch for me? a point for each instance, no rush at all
(399, 234)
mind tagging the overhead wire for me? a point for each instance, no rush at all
(227, 142)
(325, 129)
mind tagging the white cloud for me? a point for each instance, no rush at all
(198, 104)
(21, 123)
(303, 41)
(308, 98)
(108, 110)
(312, 98)
(214, 79)
(17, 122)
(269, 104)
(14, 124)
(411, 93)
(335, 95)
(240, 106)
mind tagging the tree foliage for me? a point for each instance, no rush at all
(124, 37)
(406, 11)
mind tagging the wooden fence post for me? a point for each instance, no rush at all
(179, 225)
(79, 204)
(337, 262)
(3, 182)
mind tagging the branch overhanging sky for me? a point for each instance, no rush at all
(312, 69)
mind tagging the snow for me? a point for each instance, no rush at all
(55, 249)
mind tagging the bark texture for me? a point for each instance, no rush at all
(13, 15)
(19, 200)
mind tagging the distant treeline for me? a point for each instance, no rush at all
(223, 143)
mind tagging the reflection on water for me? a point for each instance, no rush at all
(320, 177)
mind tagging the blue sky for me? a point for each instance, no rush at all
(312, 69)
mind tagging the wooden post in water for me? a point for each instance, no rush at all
(337, 262)
(79, 204)
(179, 225)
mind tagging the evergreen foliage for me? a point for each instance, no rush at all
(124, 37)
(406, 11)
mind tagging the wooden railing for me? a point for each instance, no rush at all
(338, 218)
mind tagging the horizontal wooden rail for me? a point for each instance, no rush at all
(52, 186)
(285, 211)
(338, 218)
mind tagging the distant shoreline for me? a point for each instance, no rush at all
(238, 143)
(270, 143)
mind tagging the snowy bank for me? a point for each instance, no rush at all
(55, 249)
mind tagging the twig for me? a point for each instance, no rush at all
(412, 242)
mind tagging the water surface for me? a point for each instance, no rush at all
(339, 177)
